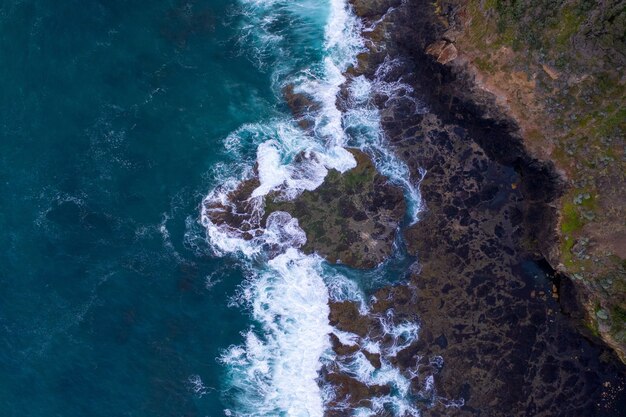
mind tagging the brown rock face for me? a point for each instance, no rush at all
(443, 51)
(487, 302)
(352, 217)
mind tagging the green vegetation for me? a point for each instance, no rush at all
(357, 178)
(571, 219)
(575, 108)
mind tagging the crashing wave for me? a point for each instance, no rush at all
(278, 368)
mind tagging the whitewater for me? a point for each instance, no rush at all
(275, 370)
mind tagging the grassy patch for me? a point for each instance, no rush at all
(356, 178)
(568, 25)
(618, 319)
(571, 220)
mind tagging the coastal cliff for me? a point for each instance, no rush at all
(465, 308)
(557, 68)
(497, 293)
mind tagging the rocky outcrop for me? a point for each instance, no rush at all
(442, 50)
(352, 218)
(236, 211)
(558, 70)
(503, 320)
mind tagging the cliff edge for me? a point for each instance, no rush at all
(558, 69)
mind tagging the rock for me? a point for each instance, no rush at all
(373, 358)
(448, 54)
(349, 391)
(302, 106)
(238, 211)
(443, 50)
(579, 248)
(345, 316)
(552, 73)
(602, 314)
(351, 218)
(372, 9)
(436, 48)
(494, 321)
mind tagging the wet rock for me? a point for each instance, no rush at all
(351, 218)
(484, 303)
(350, 393)
(373, 358)
(302, 106)
(345, 316)
(237, 210)
(371, 9)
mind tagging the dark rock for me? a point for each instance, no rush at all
(507, 346)
(351, 218)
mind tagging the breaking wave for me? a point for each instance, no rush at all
(276, 370)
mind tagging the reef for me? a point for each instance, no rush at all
(352, 218)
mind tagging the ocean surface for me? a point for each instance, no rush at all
(118, 295)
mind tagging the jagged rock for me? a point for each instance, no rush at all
(443, 50)
(238, 211)
(351, 218)
(345, 316)
(372, 9)
(350, 392)
(302, 106)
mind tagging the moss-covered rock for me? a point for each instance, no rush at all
(351, 218)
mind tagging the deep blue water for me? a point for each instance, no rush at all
(112, 116)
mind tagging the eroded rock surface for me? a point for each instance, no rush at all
(351, 218)
(486, 300)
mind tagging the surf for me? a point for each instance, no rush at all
(275, 370)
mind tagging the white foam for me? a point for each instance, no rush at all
(276, 170)
(221, 237)
(346, 338)
(283, 231)
(343, 38)
(362, 122)
(196, 385)
(276, 372)
(402, 334)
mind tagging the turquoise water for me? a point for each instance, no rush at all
(112, 118)
(121, 122)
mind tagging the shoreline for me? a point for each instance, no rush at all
(482, 309)
(505, 299)
(564, 102)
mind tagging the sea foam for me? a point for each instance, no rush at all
(274, 372)
(276, 368)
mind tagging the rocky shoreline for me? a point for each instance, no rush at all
(506, 324)
(558, 71)
(500, 329)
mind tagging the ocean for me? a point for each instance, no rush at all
(119, 121)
